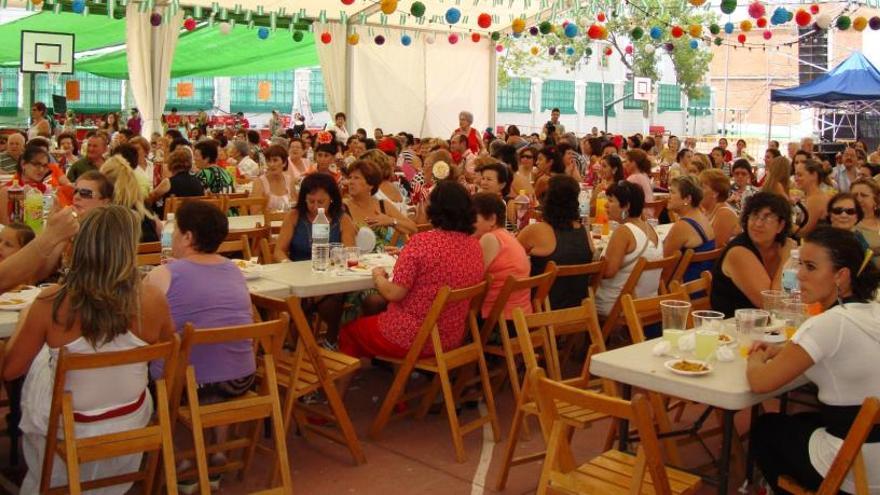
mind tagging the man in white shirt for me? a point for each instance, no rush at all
(338, 128)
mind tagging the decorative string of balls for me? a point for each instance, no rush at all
(484, 20)
(79, 6)
(189, 24)
(379, 40)
(476, 37)
(405, 40)
(745, 26)
(453, 38)
(354, 39)
(417, 9)
(761, 22)
(388, 7)
(326, 38)
(453, 15)
(728, 6)
(156, 19)
(263, 33)
(757, 10)
(298, 36)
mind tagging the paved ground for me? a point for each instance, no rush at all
(417, 457)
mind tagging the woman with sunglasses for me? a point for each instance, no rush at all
(522, 177)
(845, 212)
(867, 194)
(32, 169)
(92, 189)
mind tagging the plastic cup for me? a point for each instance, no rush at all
(708, 320)
(795, 313)
(337, 256)
(706, 344)
(674, 315)
(747, 323)
(772, 301)
(352, 256)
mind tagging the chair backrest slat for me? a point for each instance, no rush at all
(699, 291)
(848, 455)
(592, 270)
(640, 313)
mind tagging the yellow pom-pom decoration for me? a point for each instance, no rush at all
(697, 3)
(745, 26)
(695, 30)
(388, 6)
(519, 25)
(354, 38)
(535, 50)
(860, 23)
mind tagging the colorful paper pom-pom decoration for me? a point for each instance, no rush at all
(569, 51)
(518, 25)
(535, 50)
(417, 9)
(484, 20)
(714, 28)
(189, 24)
(860, 23)
(475, 37)
(571, 30)
(677, 32)
(756, 10)
(495, 36)
(628, 50)
(453, 15)
(844, 22)
(780, 16)
(669, 47)
(453, 39)
(78, 6)
(326, 38)
(388, 7)
(347, 2)
(298, 36)
(405, 40)
(694, 44)
(697, 3)
(429, 39)
(728, 28)
(874, 23)
(745, 26)
(656, 33)
(600, 17)
(637, 33)
(499, 48)
(803, 18)
(594, 32)
(761, 22)
(379, 40)
(545, 27)
(728, 6)
(608, 51)
(814, 9)
(353, 39)
(823, 20)
(741, 38)
(768, 34)
(156, 19)
(551, 50)
(695, 30)
(263, 33)
(717, 41)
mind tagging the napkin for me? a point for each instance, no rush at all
(687, 342)
(661, 348)
(724, 354)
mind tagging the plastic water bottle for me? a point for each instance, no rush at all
(522, 203)
(790, 282)
(584, 198)
(48, 204)
(167, 236)
(320, 242)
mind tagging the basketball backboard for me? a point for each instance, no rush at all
(641, 88)
(43, 52)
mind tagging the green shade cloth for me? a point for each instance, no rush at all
(206, 52)
(91, 32)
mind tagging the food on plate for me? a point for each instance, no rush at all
(725, 339)
(11, 302)
(689, 366)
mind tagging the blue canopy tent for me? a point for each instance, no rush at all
(851, 89)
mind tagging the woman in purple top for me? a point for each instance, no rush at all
(208, 290)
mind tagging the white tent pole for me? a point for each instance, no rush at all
(493, 85)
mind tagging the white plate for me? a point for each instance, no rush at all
(355, 272)
(19, 299)
(668, 365)
(731, 342)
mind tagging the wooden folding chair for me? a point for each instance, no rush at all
(253, 235)
(612, 472)
(173, 203)
(640, 313)
(249, 205)
(312, 368)
(240, 246)
(657, 206)
(149, 247)
(151, 259)
(154, 438)
(252, 407)
(690, 257)
(848, 458)
(509, 349)
(572, 333)
(266, 248)
(441, 363)
(592, 270)
(699, 291)
(272, 220)
(541, 324)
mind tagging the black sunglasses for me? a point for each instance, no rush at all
(84, 193)
(530, 157)
(839, 210)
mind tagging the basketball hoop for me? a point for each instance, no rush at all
(52, 72)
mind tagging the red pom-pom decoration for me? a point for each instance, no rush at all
(608, 51)
(594, 32)
(762, 22)
(189, 24)
(677, 32)
(326, 38)
(600, 17)
(453, 38)
(484, 20)
(628, 50)
(756, 10)
(741, 38)
(803, 18)
(499, 48)
(814, 9)
(475, 37)
(768, 34)
(347, 2)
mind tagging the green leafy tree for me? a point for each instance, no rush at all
(690, 65)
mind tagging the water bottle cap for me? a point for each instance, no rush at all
(169, 217)
(795, 253)
(320, 211)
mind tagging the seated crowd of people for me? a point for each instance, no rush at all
(452, 211)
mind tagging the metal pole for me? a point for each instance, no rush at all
(615, 102)
(726, 87)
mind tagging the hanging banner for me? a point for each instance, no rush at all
(71, 90)
(184, 90)
(264, 91)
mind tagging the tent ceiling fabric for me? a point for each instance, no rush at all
(206, 52)
(91, 32)
(854, 79)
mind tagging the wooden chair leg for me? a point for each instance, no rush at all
(510, 450)
(489, 398)
(344, 423)
(198, 433)
(457, 439)
(283, 462)
(167, 443)
(396, 390)
(663, 425)
(72, 460)
(428, 398)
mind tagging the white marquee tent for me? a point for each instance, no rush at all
(420, 87)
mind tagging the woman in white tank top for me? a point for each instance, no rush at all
(634, 239)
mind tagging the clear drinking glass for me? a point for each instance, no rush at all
(748, 321)
(674, 315)
(706, 343)
(352, 256)
(795, 313)
(337, 256)
(772, 302)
